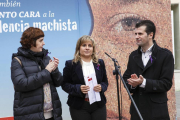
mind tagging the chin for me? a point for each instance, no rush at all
(88, 55)
(139, 44)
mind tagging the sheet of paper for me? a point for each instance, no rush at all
(91, 81)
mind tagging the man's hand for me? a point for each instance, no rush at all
(134, 80)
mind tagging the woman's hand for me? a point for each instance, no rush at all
(84, 89)
(97, 88)
(56, 62)
(53, 64)
(50, 66)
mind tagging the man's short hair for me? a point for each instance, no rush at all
(150, 27)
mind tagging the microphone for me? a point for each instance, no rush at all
(111, 57)
(107, 55)
(117, 72)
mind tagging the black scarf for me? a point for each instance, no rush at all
(38, 57)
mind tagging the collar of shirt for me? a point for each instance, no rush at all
(148, 50)
(146, 55)
(86, 63)
(87, 68)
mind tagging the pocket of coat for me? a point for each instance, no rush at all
(159, 99)
(159, 108)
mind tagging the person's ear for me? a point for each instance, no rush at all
(151, 35)
(33, 45)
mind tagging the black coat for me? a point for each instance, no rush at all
(73, 79)
(28, 82)
(151, 100)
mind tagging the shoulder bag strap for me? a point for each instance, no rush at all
(18, 60)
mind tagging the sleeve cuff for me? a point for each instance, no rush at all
(143, 83)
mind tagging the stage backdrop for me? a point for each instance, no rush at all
(111, 23)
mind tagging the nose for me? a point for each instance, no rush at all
(43, 43)
(136, 36)
(87, 47)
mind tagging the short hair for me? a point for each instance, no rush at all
(30, 36)
(80, 41)
(150, 27)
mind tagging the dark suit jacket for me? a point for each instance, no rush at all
(73, 79)
(151, 100)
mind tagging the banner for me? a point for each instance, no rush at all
(63, 22)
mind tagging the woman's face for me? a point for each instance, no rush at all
(86, 49)
(39, 45)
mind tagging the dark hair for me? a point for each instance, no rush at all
(150, 27)
(30, 36)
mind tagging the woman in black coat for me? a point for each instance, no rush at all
(35, 77)
(78, 74)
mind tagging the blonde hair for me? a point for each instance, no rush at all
(80, 41)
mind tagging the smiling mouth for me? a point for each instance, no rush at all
(138, 41)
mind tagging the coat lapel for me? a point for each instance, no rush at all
(138, 60)
(150, 62)
(79, 72)
(138, 57)
(153, 56)
(97, 71)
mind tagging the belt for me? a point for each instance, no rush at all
(86, 99)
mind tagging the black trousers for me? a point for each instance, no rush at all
(88, 112)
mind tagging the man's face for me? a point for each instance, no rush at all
(142, 38)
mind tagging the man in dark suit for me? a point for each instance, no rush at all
(149, 74)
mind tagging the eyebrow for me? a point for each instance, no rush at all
(126, 2)
(129, 1)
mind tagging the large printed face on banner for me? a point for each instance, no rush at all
(114, 24)
(117, 18)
